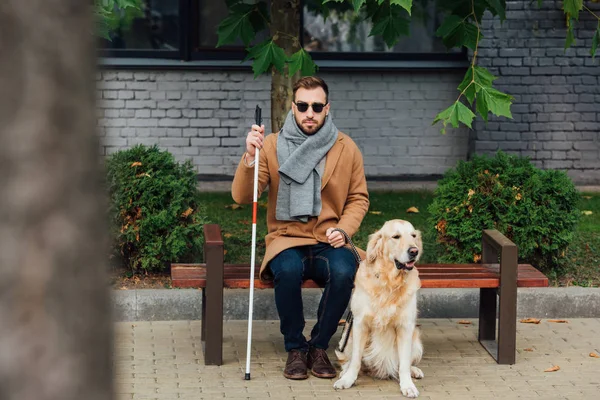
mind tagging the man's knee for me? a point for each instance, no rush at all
(343, 267)
(287, 266)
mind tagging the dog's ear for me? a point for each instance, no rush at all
(375, 246)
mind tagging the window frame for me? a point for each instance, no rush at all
(227, 57)
(180, 54)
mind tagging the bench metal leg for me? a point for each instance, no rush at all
(504, 350)
(507, 318)
(212, 324)
(203, 328)
(487, 314)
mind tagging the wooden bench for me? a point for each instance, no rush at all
(497, 279)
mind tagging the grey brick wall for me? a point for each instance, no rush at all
(557, 94)
(204, 116)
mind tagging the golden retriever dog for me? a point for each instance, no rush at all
(384, 341)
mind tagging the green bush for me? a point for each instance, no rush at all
(536, 209)
(156, 217)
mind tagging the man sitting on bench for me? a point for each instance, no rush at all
(316, 181)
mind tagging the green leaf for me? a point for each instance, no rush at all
(498, 7)
(572, 8)
(595, 41)
(406, 4)
(464, 8)
(266, 54)
(358, 4)
(389, 23)
(302, 61)
(454, 114)
(474, 79)
(259, 17)
(494, 101)
(570, 40)
(457, 32)
(237, 24)
(128, 3)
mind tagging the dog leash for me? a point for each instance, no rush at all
(349, 318)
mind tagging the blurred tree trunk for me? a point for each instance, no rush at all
(55, 329)
(285, 25)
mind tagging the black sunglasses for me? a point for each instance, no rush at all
(317, 107)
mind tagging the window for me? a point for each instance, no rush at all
(347, 35)
(187, 30)
(153, 31)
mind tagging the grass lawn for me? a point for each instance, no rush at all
(581, 264)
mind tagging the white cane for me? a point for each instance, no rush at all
(258, 119)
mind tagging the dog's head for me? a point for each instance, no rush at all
(397, 243)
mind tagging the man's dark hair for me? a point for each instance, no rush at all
(311, 82)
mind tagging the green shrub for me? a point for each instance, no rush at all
(536, 209)
(156, 217)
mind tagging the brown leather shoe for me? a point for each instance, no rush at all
(319, 364)
(295, 366)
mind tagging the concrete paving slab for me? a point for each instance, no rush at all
(164, 360)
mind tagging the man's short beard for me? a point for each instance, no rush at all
(318, 128)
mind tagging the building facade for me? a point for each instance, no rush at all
(174, 89)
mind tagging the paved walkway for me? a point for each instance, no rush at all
(163, 360)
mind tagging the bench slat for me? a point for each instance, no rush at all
(432, 276)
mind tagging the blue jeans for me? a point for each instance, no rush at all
(330, 267)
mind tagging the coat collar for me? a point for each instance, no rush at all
(332, 159)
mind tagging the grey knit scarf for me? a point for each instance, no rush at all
(301, 165)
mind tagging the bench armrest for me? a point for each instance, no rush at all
(212, 235)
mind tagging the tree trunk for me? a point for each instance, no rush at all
(55, 329)
(285, 26)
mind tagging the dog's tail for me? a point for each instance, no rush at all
(417, 347)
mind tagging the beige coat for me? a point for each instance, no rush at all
(344, 196)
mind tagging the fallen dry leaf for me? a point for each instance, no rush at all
(476, 257)
(471, 192)
(244, 222)
(224, 251)
(464, 322)
(136, 164)
(375, 212)
(123, 287)
(187, 212)
(528, 349)
(233, 206)
(342, 322)
(586, 212)
(530, 321)
(227, 235)
(594, 355)
(559, 321)
(552, 369)
(412, 210)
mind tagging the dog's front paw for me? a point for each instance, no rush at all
(409, 390)
(344, 382)
(416, 372)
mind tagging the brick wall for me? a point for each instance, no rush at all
(204, 116)
(557, 94)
